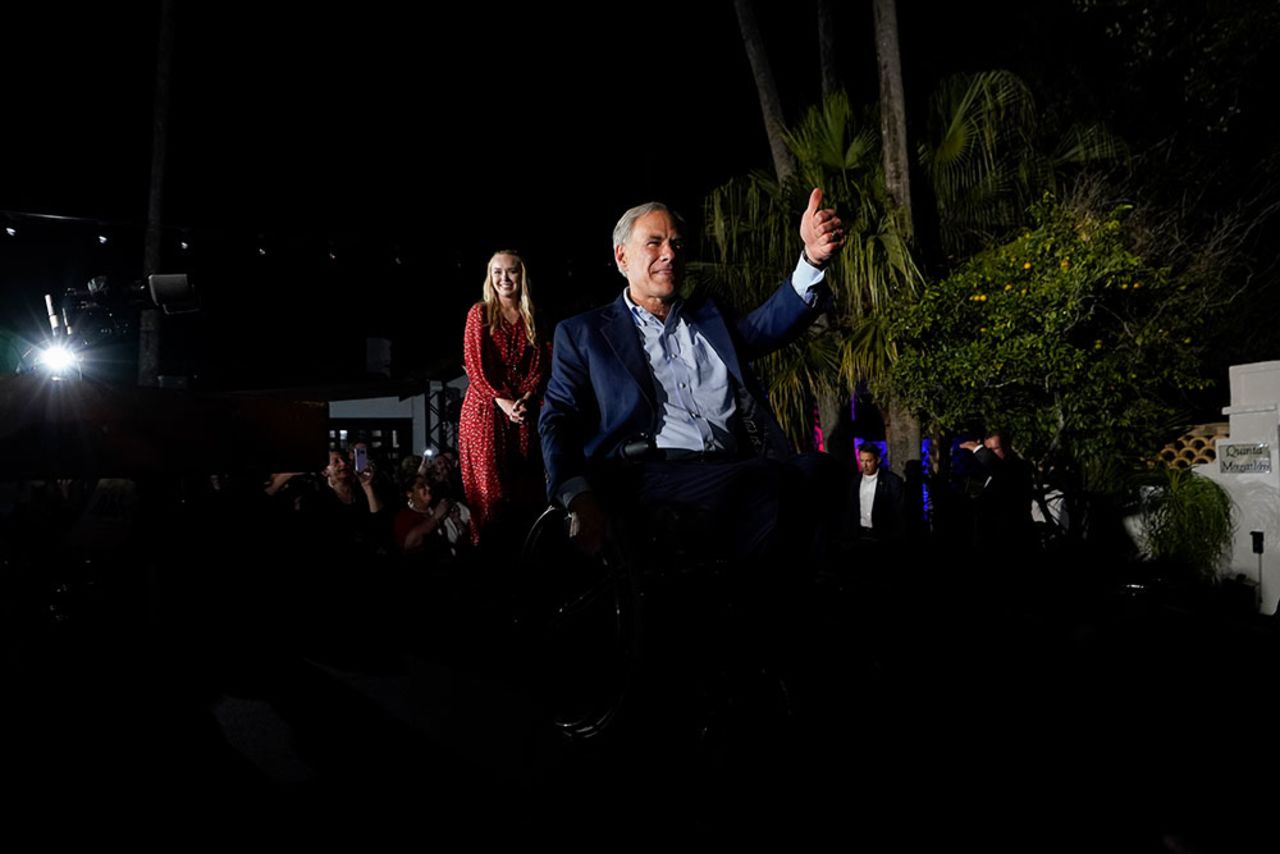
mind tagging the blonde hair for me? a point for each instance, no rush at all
(492, 307)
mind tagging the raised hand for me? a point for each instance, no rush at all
(821, 231)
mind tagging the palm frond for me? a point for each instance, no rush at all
(980, 141)
(1085, 144)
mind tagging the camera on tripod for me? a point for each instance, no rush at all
(96, 328)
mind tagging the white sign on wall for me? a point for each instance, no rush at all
(1244, 457)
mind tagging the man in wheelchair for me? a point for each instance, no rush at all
(653, 417)
(665, 384)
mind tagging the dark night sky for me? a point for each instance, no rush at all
(431, 136)
(373, 135)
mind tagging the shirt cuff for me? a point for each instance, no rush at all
(804, 278)
(571, 489)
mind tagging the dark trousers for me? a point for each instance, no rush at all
(737, 501)
(756, 509)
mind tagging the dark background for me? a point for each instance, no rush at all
(341, 175)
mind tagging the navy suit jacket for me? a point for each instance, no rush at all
(602, 393)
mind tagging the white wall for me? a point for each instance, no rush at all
(1255, 418)
(373, 407)
(415, 407)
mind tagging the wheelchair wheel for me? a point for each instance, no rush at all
(581, 620)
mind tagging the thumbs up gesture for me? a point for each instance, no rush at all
(821, 231)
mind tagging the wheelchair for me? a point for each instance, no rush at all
(654, 634)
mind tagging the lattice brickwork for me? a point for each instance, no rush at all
(1196, 446)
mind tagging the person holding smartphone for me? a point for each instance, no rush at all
(341, 477)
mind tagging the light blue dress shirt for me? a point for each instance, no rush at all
(692, 381)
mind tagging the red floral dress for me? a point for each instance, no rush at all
(499, 460)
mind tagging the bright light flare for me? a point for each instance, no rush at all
(57, 359)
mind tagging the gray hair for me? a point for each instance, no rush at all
(626, 225)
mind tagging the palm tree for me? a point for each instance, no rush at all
(902, 426)
(893, 114)
(984, 160)
(150, 318)
(987, 161)
(827, 48)
(751, 224)
(784, 166)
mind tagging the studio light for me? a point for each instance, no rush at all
(59, 361)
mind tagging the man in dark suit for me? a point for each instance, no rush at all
(876, 499)
(1002, 494)
(666, 383)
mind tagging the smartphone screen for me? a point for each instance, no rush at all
(360, 458)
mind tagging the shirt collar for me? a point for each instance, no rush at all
(643, 316)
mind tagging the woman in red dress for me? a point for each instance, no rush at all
(507, 366)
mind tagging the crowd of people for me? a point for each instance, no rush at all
(410, 507)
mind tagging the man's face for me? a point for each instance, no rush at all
(868, 462)
(996, 445)
(652, 259)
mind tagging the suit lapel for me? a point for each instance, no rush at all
(618, 328)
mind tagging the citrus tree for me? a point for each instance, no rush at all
(1078, 336)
